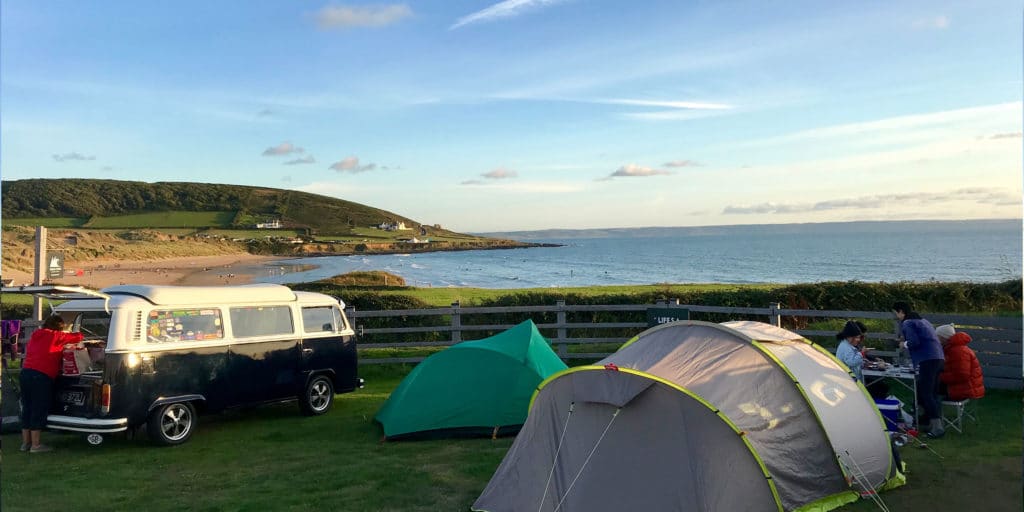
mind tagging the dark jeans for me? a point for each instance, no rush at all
(36, 395)
(927, 387)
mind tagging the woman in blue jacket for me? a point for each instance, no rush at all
(920, 340)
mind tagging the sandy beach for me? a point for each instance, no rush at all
(193, 271)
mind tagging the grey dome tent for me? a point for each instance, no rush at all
(696, 416)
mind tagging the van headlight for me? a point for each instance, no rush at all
(133, 360)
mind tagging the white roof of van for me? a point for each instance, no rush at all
(261, 292)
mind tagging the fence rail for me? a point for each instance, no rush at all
(996, 340)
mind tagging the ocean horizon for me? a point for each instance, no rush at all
(914, 251)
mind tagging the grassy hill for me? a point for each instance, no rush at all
(111, 204)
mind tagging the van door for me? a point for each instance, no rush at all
(264, 357)
(328, 345)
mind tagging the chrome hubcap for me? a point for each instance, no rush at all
(176, 422)
(319, 395)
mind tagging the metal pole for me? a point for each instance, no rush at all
(40, 271)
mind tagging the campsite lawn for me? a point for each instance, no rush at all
(272, 458)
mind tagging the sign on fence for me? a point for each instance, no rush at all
(658, 316)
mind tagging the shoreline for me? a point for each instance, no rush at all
(216, 270)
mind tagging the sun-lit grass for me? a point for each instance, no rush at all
(271, 458)
(169, 219)
(48, 222)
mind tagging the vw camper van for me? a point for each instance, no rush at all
(163, 354)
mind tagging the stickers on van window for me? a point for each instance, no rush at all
(168, 325)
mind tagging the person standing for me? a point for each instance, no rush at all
(961, 376)
(919, 338)
(38, 371)
(849, 351)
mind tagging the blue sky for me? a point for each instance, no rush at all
(533, 114)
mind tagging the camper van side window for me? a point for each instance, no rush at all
(247, 322)
(318, 319)
(168, 325)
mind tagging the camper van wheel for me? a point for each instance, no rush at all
(94, 439)
(172, 424)
(318, 397)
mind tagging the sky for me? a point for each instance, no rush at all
(533, 114)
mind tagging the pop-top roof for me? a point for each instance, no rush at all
(261, 292)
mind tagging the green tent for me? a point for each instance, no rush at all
(473, 388)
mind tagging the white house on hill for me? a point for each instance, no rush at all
(274, 224)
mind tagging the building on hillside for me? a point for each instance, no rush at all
(393, 226)
(274, 224)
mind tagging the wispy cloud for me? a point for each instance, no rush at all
(933, 22)
(684, 105)
(351, 164)
(986, 196)
(284, 148)
(1013, 135)
(74, 155)
(506, 9)
(898, 123)
(681, 163)
(472, 182)
(500, 173)
(299, 161)
(344, 16)
(634, 171)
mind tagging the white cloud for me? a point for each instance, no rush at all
(351, 164)
(472, 182)
(506, 9)
(899, 123)
(342, 17)
(634, 170)
(683, 105)
(681, 163)
(1013, 135)
(74, 155)
(500, 173)
(284, 148)
(298, 161)
(934, 22)
(978, 195)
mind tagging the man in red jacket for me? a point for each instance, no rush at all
(38, 370)
(961, 377)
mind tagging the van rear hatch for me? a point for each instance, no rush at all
(78, 396)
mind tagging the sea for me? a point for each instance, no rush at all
(915, 251)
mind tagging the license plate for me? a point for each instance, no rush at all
(74, 397)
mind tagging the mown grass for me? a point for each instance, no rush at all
(49, 222)
(446, 296)
(168, 219)
(272, 458)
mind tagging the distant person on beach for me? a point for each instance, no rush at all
(919, 338)
(849, 352)
(961, 377)
(38, 371)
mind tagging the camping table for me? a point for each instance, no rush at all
(906, 376)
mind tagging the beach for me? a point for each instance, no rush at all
(222, 269)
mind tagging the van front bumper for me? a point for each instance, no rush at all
(98, 426)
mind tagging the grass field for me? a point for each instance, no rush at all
(164, 220)
(272, 458)
(49, 222)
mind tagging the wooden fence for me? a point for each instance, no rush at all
(996, 340)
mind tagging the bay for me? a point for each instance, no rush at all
(921, 251)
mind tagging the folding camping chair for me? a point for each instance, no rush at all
(959, 409)
(9, 332)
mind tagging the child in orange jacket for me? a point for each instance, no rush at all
(961, 376)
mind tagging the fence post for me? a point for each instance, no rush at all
(562, 331)
(774, 317)
(456, 323)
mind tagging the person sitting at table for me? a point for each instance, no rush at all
(961, 377)
(919, 338)
(849, 348)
